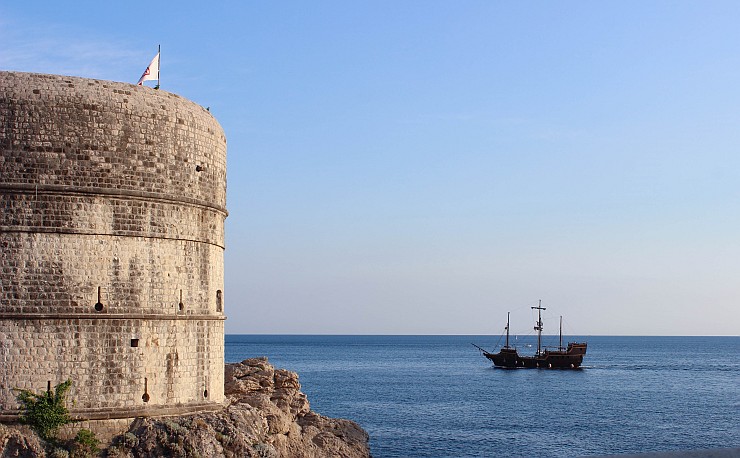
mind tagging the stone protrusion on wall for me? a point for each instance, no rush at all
(112, 209)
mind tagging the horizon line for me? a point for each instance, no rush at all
(475, 335)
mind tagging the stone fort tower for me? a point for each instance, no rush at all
(112, 209)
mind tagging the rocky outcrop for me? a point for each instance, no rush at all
(20, 442)
(267, 416)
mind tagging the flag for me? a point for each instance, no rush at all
(151, 72)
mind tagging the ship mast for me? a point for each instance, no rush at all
(507, 329)
(538, 328)
(561, 333)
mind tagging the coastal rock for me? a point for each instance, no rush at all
(20, 442)
(266, 416)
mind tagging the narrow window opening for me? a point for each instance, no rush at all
(181, 305)
(98, 305)
(205, 393)
(219, 301)
(134, 342)
(145, 397)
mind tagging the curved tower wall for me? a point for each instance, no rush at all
(112, 208)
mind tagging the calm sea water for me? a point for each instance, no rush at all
(436, 396)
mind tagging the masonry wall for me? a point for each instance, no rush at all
(112, 208)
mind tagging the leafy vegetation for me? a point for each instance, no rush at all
(85, 444)
(45, 412)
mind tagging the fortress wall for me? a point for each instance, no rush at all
(101, 135)
(178, 363)
(51, 273)
(58, 210)
(112, 209)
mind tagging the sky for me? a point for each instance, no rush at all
(424, 167)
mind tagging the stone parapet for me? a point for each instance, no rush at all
(88, 134)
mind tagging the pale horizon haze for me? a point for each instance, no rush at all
(424, 167)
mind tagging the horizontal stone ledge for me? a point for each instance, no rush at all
(12, 416)
(107, 192)
(107, 316)
(73, 231)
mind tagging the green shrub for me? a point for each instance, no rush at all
(45, 412)
(85, 444)
(129, 440)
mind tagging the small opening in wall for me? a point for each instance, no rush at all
(198, 168)
(205, 393)
(134, 342)
(145, 397)
(98, 305)
(219, 301)
(181, 305)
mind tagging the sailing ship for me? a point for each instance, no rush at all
(569, 357)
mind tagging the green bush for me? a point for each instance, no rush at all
(85, 445)
(129, 440)
(45, 412)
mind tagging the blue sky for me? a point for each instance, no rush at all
(424, 167)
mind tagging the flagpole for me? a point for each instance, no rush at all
(159, 53)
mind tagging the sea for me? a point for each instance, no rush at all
(437, 396)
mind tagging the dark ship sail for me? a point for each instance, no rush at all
(569, 357)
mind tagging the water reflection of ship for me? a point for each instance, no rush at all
(562, 358)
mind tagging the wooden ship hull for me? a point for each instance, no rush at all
(570, 358)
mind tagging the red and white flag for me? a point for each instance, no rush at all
(151, 72)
